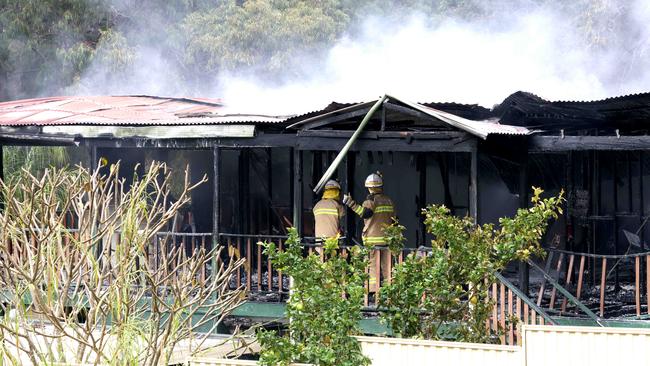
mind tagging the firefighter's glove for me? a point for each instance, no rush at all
(348, 201)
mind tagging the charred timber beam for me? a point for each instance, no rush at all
(216, 189)
(216, 205)
(37, 139)
(420, 135)
(327, 140)
(335, 118)
(320, 117)
(262, 140)
(409, 112)
(524, 269)
(94, 158)
(473, 187)
(582, 143)
(450, 145)
(297, 190)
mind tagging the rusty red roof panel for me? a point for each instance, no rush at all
(121, 110)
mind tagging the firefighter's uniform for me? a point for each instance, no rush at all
(328, 213)
(377, 212)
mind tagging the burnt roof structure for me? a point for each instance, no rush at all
(477, 161)
(628, 114)
(64, 119)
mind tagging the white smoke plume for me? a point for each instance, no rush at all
(534, 48)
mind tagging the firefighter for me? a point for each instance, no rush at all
(328, 213)
(377, 212)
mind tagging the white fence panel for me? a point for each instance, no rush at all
(542, 346)
(211, 361)
(397, 351)
(550, 345)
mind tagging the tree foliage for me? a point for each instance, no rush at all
(324, 308)
(263, 34)
(49, 46)
(46, 44)
(444, 294)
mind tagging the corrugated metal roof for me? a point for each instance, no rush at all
(479, 128)
(122, 110)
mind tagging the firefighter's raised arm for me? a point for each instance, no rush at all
(363, 211)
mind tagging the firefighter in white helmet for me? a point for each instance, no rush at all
(328, 213)
(377, 212)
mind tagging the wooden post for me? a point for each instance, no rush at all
(216, 188)
(502, 319)
(603, 278)
(495, 314)
(473, 188)
(642, 215)
(526, 314)
(422, 199)
(647, 272)
(249, 264)
(595, 211)
(557, 269)
(297, 190)
(2, 163)
(547, 269)
(269, 187)
(259, 266)
(280, 287)
(524, 269)
(580, 273)
(511, 335)
(93, 158)
(637, 281)
(569, 274)
(615, 218)
(518, 312)
(239, 246)
(2, 174)
(348, 186)
(244, 192)
(216, 174)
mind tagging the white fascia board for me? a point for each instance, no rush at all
(154, 132)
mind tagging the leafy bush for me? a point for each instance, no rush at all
(324, 308)
(444, 295)
(394, 237)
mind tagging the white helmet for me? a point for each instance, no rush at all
(332, 184)
(374, 180)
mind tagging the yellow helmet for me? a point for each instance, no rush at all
(374, 180)
(332, 184)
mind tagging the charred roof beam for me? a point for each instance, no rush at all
(582, 143)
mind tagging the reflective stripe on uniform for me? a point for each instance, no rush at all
(326, 211)
(384, 208)
(373, 240)
(359, 210)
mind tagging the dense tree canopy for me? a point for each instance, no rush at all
(46, 46)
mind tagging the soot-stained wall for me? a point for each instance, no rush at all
(199, 163)
(412, 180)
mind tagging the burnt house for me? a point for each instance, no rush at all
(480, 162)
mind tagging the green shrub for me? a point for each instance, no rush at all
(444, 295)
(324, 308)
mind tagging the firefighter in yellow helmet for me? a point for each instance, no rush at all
(377, 212)
(328, 212)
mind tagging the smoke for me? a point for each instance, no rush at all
(558, 53)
